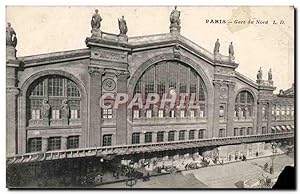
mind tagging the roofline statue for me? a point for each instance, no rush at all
(96, 24)
(175, 20)
(11, 36)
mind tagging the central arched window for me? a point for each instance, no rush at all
(165, 76)
(244, 104)
(56, 91)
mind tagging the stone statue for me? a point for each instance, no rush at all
(217, 47)
(45, 110)
(122, 26)
(240, 112)
(65, 109)
(259, 74)
(175, 21)
(230, 50)
(175, 16)
(247, 112)
(96, 20)
(11, 36)
(270, 75)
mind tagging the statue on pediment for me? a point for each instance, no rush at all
(175, 16)
(11, 36)
(217, 47)
(175, 21)
(270, 75)
(231, 50)
(96, 20)
(259, 74)
(122, 26)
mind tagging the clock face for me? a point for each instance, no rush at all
(223, 92)
(109, 84)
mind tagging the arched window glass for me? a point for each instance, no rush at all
(244, 104)
(55, 90)
(165, 76)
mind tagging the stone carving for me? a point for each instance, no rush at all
(259, 74)
(45, 110)
(217, 47)
(270, 75)
(11, 36)
(175, 20)
(223, 92)
(65, 109)
(231, 50)
(96, 24)
(110, 56)
(247, 113)
(96, 70)
(176, 51)
(109, 84)
(122, 26)
(240, 112)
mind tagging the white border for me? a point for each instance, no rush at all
(3, 3)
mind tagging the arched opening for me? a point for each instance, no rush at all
(53, 98)
(244, 106)
(166, 78)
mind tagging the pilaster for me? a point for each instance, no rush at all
(94, 130)
(217, 85)
(121, 122)
(230, 108)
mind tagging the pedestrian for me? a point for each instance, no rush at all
(229, 158)
(256, 154)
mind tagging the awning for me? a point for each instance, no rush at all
(283, 127)
(273, 128)
(278, 128)
(288, 127)
(292, 126)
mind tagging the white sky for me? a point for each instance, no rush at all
(50, 29)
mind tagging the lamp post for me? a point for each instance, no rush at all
(274, 144)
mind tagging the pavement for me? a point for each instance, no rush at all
(216, 176)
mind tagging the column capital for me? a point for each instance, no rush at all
(96, 70)
(124, 73)
(12, 90)
(217, 83)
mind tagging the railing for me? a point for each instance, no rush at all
(142, 148)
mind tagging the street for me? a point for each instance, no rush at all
(226, 176)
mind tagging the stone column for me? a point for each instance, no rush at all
(45, 144)
(64, 142)
(259, 117)
(166, 136)
(230, 108)
(12, 92)
(186, 135)
(217, 84)
(121, 120)
(142, 137)
(94, 130)
(269, 116)
(176, 136)
(154, 137)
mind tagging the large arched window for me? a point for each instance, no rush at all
(244, 104)
(171, 75)
(60, 94)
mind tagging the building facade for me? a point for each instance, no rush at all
(53, 99)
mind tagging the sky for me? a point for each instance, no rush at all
(50, 29)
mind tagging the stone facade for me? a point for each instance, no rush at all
(110, 64)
